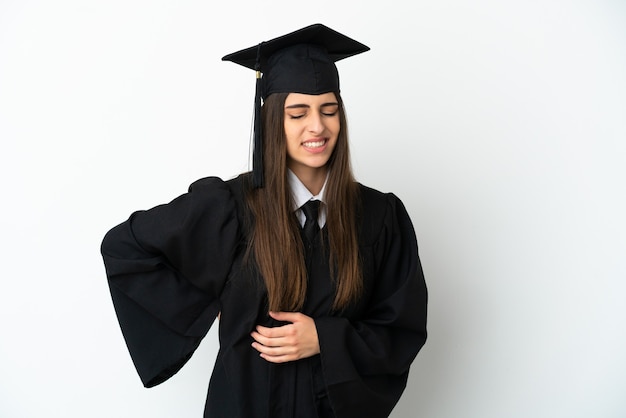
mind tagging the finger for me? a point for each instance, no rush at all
(274, 351)
(286, 316)
(268, 341)
(278, 359)
(275, 332)
(276, 355)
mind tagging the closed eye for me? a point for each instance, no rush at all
(330, 109)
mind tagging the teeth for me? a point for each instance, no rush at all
(315, 144)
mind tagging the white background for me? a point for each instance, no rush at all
(501, 125)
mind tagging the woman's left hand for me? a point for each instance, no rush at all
(290, 342)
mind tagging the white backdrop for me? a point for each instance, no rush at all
(501, 125)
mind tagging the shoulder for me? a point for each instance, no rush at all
(378, 211)
(207, 183)
(235, 187)
(240, 185)
(229, 194)
(374, 197)
(373, 200)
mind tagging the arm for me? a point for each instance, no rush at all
(366, 361)
(166, 268)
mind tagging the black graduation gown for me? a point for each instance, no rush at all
(172, 268)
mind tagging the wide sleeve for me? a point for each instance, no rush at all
(366, 362)
(166, 268)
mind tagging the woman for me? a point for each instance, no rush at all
(321, 313)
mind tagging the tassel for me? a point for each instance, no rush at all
(257, 153)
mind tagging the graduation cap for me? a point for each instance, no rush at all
(298, 62)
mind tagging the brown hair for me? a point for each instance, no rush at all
(283, 268)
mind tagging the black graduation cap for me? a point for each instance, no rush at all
(298, 62)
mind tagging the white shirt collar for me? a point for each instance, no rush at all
(301, 195)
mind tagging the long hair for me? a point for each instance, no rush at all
(275, 239)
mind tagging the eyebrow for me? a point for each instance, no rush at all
(298, 106)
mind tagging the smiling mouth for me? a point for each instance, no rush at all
(314, 144)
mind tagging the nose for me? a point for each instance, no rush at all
(316, 124)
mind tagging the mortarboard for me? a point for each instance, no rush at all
(298, 62)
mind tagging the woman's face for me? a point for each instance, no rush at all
(311, 127)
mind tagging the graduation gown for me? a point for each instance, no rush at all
(173, 268)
